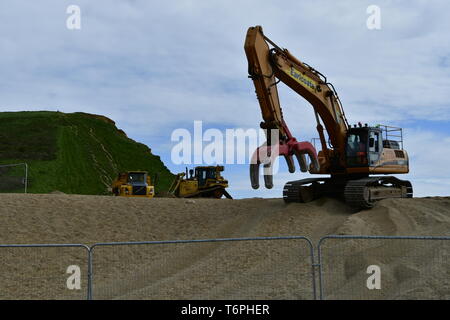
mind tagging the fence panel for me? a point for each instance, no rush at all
(370, 267)
(249, 268)
(41, 272)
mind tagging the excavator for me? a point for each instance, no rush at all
(357, 160)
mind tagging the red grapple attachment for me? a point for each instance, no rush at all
(266, 155)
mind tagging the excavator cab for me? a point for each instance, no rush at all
(376, 147)
(364, 146)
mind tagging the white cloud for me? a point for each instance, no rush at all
(429, 170)
(155, 66)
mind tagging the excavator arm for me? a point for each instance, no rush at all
(267, 65)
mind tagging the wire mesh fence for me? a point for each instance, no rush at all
(14, 178)
(269, 268)
(370, 267)
(222, 269)
(44, 272)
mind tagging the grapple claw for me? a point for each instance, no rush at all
(254, 175)
(268, 176)
(267, 155)
(290, 163)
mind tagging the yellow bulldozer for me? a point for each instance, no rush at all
(133, 184)
(203, 181)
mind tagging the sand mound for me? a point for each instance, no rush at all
(405, 217)
(244, 271)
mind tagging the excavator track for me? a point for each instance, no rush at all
(363, 193)
(356, 193)
(304, 190)
(359, 193)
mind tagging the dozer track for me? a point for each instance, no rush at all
(360, 193)
(209, 192)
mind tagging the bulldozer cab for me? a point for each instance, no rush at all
(205, 173)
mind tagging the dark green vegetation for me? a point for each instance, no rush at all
(72, 153)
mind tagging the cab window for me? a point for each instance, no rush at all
(374, 142)
(136, 178)
(356, 142)
(356, 149)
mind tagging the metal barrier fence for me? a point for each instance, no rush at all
(224, 269)
(43, 271)
(266, 268)
(378, 267)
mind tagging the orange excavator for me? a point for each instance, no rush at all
(349, 155)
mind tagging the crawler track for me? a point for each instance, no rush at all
(363, 193)
(304, 190)
(360, 193)
(213, 192)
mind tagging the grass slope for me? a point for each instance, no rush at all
(72, 153)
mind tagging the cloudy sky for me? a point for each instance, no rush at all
(156, 66)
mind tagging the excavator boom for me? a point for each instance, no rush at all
(266, 65)
(262, 72)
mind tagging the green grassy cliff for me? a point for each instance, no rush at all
(72, 153)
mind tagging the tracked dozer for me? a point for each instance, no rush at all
(133, 184)
(203, 181)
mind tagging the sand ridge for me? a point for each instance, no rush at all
(260, 270)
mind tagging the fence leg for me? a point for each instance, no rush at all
(89, 286)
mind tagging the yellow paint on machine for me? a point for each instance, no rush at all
(304, 80)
